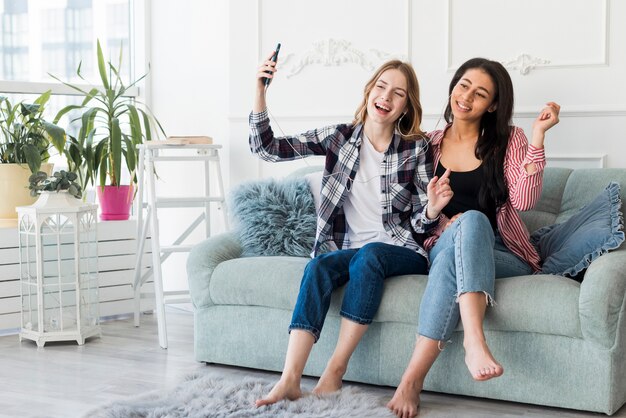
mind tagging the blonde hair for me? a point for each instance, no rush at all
(409, 123)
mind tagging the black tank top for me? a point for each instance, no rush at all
(466, 185)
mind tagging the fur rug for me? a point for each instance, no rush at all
(207, 396)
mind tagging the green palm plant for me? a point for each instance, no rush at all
(111, 127)
(25, 136)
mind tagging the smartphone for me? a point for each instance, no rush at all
(274, 58)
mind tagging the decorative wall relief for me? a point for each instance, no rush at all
(525, 63)
(337, 52)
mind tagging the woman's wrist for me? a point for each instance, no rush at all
(259, 104)
(432, 214)
(538, 138)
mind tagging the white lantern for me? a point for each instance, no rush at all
(58, 269)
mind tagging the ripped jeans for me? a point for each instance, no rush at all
(467, 257)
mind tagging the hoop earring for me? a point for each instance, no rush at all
(398, 125)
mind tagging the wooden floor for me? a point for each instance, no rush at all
(67, 380)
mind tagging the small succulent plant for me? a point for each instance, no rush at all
(60, 180)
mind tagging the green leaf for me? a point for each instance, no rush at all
(33, 158)
(73, 157)
(57, 135)
(43, 99)
(29, 109)
(146, 124)
(150, 117)
(92, 157)
(102, 67)
(64, 111)
(87, 122)
(103, 172)
(94, 92)
(74, 191)
(131, 155)
(116, 151)
(135, 125)
(68, 84)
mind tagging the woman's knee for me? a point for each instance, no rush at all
(478, 223)
(318, 269)
(371, 257)
(476, 217)
(331, 261)
(371, 251)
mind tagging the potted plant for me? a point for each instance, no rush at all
(60, 180)
(111, 127)
(25, 139)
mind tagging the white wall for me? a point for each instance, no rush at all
(205, 55)
(189, 95)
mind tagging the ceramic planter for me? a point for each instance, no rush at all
(115, 202)
(14, 190)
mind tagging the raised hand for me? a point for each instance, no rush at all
(548, 117)
(439, 194)
(266, 70)
(259, 97)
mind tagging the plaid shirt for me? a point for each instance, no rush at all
(407, 167)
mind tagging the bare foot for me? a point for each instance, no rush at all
(480, 362)
(405, 400)
(284, 389)
(330, 381)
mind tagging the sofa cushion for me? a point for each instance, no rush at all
(549, 205)
(258, 281)
(583, 186)
(274, 217)
(569, 247)
(523, 304)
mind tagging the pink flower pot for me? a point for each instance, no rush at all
(115, 202)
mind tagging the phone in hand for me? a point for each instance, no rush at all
(274, 59)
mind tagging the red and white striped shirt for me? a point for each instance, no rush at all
(524, 192)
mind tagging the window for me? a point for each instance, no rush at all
(43, 37)
(55, 36)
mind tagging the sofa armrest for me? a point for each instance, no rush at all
(202, 261)
(602, 297)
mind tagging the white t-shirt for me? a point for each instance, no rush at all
(362, 206)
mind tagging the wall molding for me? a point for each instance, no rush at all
(525, 62)
(332, 52)
(576, 160)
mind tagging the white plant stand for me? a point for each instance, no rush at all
(149, 154)
(117, 252)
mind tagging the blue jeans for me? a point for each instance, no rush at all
(468, 257)
(364, 270)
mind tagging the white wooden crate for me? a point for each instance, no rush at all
(116, 271)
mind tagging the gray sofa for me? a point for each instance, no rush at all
(562, 343)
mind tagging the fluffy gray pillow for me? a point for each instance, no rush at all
(274, 217)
